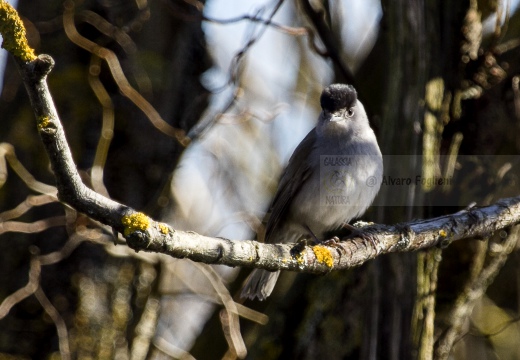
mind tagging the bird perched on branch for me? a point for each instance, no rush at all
(332, 177)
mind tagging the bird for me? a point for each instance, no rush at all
(332, 177)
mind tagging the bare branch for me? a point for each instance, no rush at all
(474, 290)
(144, 234)
(61, 327)
(70, 186)
(26, 291)
(145, 329)
(328, 38)
(178, 12)
(477, 222)
(7, 153)
(30, 202)
(169, 349)
(34, 227)
(229, 315)
(72, 243)
(290, 30)
(119, 77)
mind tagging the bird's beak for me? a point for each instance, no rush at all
(332, 117)
(335, 117)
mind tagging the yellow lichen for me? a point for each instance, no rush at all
(323, 255)
(443, 233)
(134, 222)
(13, 32)
(299, 258)
(43, 122)
(163, 228)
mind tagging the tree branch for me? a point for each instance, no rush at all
(473, 290)
(142, 233)
(317, 18)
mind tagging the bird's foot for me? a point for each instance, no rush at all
(364, 234)
(331, 242)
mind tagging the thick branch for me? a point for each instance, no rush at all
(145, 234)
(71, 189)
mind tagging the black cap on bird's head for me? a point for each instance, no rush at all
(338, 96)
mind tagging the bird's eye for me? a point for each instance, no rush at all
(350, 112)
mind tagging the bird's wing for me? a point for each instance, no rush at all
(296, 173)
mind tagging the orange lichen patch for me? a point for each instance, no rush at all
(135, 222)
(323, 255)
(13, 32)
(164, 229)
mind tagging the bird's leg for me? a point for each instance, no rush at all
(312, 234)
(334, 242)
(330, 242)
(347, 226)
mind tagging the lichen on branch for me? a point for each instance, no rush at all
(134, 222)
(143, 233)
(14, 34)
(323, 255)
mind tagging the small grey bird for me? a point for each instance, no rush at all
(332, 177)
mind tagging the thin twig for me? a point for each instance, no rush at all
(234, 75)
(107, 128)
(26, 291)
(33, 227)
(30, 202)
(61, 327)
(229, 317)
(119, 76)
(7, 152)
(178, 12)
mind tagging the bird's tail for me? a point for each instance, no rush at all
(260, 284)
